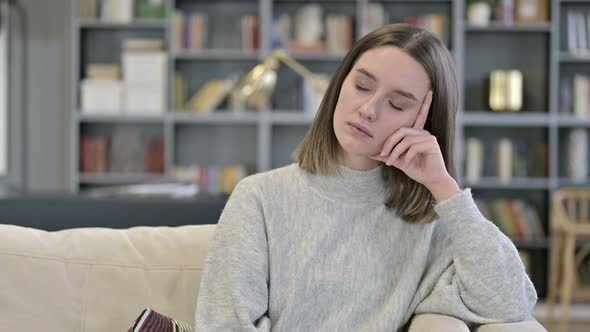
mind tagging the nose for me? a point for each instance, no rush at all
(369, 109)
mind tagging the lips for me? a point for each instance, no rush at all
(361, 128)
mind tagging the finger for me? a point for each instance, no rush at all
(416, 149)
(397, 136)
(405, 144)
(378, 157)
(423, 113)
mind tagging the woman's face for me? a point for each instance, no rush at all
(383, 92)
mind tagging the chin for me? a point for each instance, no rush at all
(353, 148)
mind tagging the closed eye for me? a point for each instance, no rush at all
(360, 88)
(395, 107)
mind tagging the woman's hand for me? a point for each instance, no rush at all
(416, 152)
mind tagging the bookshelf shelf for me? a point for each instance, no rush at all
(534, 244)
(514, 183)
(566, 182)
(216, 54)
(505, 119)
(120, 118)
(317, 56)
(494, 27)
(566, 57)
(122, 179)
(573, 121)
(138, 24)
(217, 117)
(290, 118)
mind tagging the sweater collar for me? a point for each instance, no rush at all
(350, 186)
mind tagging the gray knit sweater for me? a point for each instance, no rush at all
(295, 251)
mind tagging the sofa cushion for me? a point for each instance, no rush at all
(98, 279)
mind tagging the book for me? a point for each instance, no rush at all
(581, 97)
(95, 71)
(143, 44)
(154, 156)
(93, 154)
(577, 154)
(505, 155)
(572, 35)
(474, 159)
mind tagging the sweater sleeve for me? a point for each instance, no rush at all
(481, 278)
(233, 294)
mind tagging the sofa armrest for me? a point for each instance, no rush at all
(527, 326)
(436, 322)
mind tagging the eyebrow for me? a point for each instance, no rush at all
(398, 91)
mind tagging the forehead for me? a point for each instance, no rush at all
(394, 67)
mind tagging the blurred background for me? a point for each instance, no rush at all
(118, 113)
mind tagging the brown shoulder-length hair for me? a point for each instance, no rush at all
(317, 153)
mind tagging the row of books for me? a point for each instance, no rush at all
(212, 179)
(505, 159)
(575, 95)
(306, 33)
(516, 218)
(191, 30)
(121, 11)
(578, 32)
(437, 23)
(124, 152)
(508, 12)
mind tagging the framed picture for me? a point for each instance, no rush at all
(531, 11)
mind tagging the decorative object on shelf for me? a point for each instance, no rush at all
(211, 95)
(479, 13)
(505, 90)
(254, 89)
(532, 11)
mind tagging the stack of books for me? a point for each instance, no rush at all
(144, 75)
(101, 91)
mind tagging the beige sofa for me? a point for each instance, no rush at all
(98, 279)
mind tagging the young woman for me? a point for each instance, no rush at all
(369, 227)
